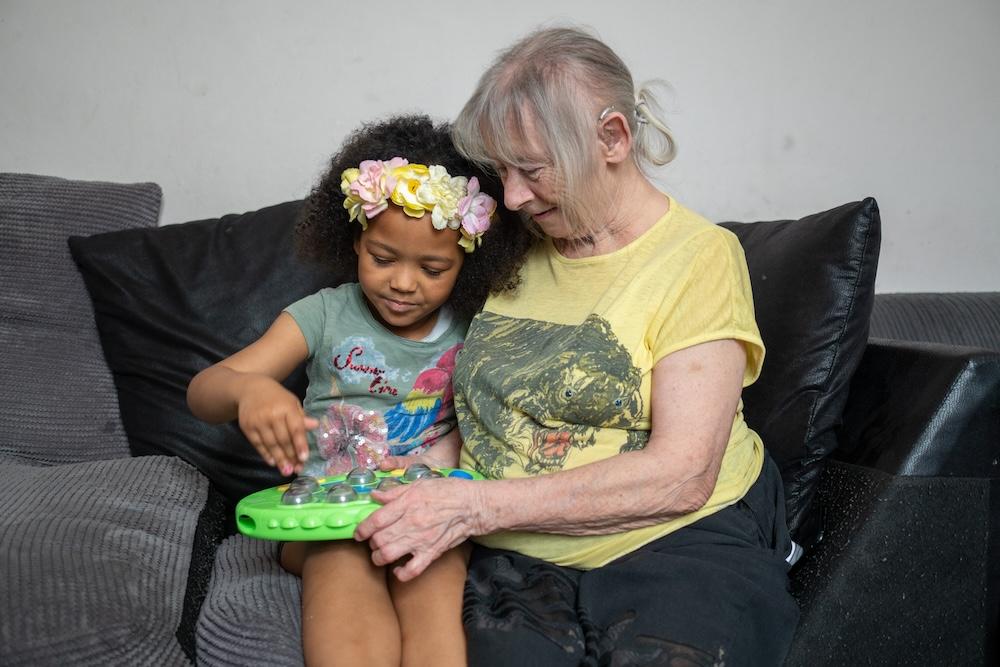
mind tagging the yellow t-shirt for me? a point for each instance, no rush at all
(557, 374)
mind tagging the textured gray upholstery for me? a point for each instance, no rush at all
(57, 400)
(94, 559)
(252, 613)
(952, 318)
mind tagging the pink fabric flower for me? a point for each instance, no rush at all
(349, 436)
(375, 183)
(476, 208)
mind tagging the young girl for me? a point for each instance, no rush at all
(422, 245)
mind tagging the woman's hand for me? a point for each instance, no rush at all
(442, 454)
(274, 422)
(422, 519)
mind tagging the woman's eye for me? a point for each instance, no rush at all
(533, 174)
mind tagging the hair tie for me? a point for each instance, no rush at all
(639, 117)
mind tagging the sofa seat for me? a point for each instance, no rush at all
(96, 545)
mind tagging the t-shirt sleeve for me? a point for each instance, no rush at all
(712, 300)
(310, 314)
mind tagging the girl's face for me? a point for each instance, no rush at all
(407, 270)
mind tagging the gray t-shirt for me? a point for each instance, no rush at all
(372, 391)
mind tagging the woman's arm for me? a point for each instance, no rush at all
(247, 387)
(695, 394)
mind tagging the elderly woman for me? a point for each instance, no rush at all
(630, 514)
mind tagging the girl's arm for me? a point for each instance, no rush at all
(695, 395)
(247, 387)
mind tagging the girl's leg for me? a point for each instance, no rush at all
(429, 609)
(347, 615)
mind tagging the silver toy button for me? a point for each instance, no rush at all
(362, 479)
(387, 483)
(341, 493)
(296, 496)
(415, 472)
(305, 483)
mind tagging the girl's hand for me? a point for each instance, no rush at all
(423, 519)
(274, 422)
(442, 454)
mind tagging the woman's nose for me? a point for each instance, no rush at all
(516, 192)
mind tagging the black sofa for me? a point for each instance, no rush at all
(118, 545)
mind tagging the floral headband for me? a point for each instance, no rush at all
(454, 202)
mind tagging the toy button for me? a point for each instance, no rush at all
(289, 522)
(296, 496)
(461, 474)
(415, 472)
(362, 479)
(341, 493)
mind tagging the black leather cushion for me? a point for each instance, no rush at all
(173, 300)
(813, 284)
(924, 409)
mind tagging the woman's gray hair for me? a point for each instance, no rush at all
(558, 80)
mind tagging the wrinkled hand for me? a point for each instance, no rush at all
(442, 454)
(422, 519)
(274, 422)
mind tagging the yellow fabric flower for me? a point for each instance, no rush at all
(441, 193)
(408, 180)
(453, 202)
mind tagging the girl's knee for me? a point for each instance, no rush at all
(291, 556)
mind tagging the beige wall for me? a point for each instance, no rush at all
(781, 108)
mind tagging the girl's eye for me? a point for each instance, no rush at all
(433, 273)
(381, 260)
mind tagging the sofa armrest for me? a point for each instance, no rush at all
(910, 509)
(924, 409)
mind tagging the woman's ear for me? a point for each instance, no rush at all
(615, 137)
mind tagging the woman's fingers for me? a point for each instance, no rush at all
(421, 520)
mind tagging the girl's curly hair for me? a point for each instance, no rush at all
(324, 234)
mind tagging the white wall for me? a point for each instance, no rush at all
(781, 107)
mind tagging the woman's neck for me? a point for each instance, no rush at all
(634, 207)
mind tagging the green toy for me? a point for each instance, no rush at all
(325, 508)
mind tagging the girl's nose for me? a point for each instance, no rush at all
(403, 280)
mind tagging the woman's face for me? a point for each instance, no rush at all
(532, 187)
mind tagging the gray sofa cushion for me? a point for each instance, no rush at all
(57, 399)
(252, 612)
(94, 559)
(970, 319)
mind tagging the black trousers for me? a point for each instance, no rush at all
(712, 593)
